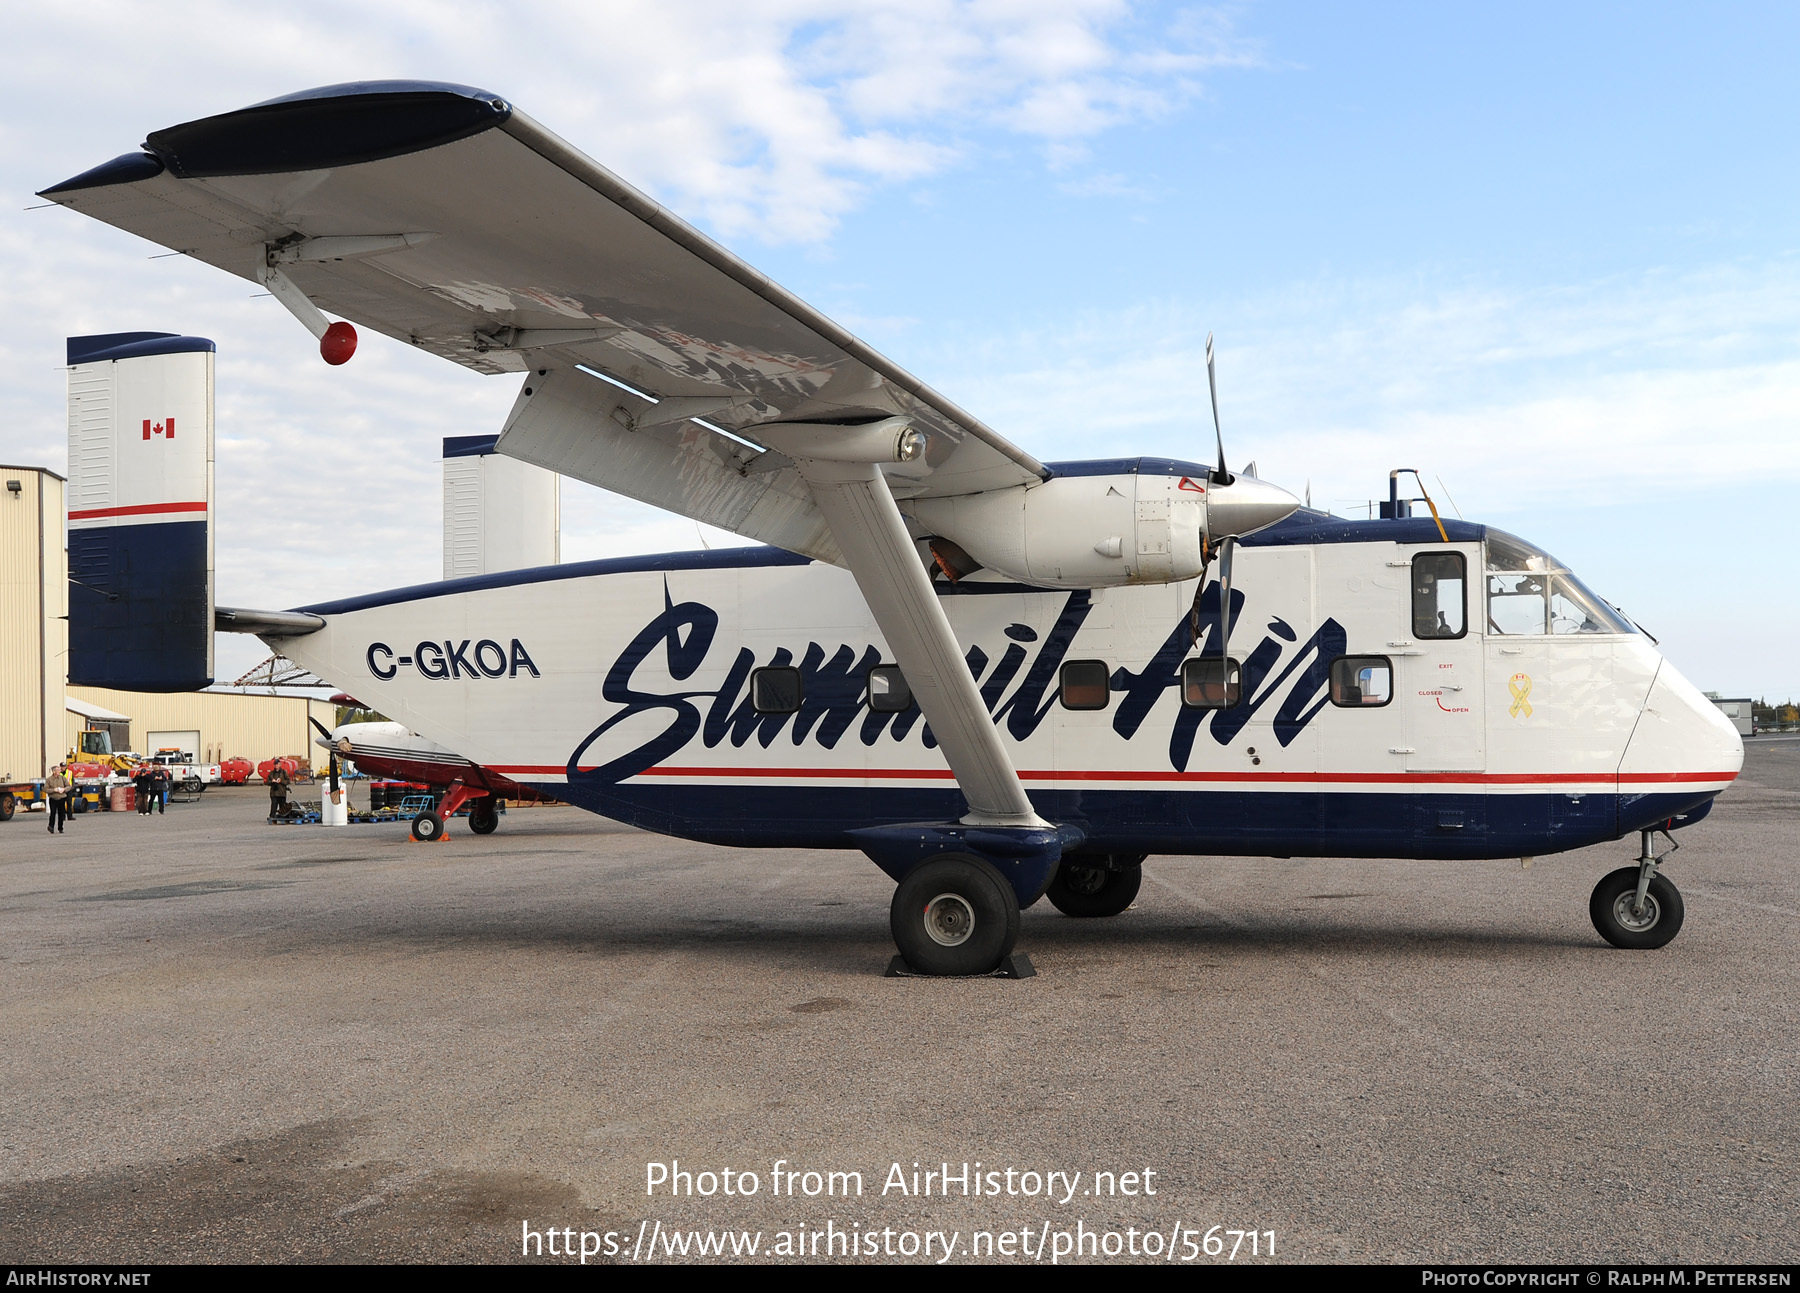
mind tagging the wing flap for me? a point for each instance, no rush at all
(567, 424)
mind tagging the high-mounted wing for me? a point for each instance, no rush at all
(442, 216)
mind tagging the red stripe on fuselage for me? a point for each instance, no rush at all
(141, 509)
(1316, 778)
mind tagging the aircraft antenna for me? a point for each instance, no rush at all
(1447, 498)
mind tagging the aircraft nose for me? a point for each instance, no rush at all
(1245, 506)
(1683, 751)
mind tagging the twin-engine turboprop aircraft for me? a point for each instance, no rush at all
(387, 749)
(993, 676)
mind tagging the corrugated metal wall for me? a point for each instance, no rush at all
(499, 514)
(230, 724)
(462, 517)
(56, 616)
(34, 630)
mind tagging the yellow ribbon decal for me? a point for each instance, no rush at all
(1520, 686)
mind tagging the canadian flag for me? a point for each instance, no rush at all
(164, 428)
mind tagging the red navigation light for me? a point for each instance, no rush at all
(338, 343)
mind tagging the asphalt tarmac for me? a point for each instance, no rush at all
(225, 1041)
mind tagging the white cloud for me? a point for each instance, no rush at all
(769, 119)
(1106, 184)
(1629, 388)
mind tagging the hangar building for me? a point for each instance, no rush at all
(41, 717)
(34, 625)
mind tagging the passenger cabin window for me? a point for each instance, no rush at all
(1210, 683)
(1085, 684)
(1358, 680)
(1438, 597)
(775, 690)
(1530, 592)
(888, 692)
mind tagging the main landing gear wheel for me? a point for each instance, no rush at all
(1614, 910)
(427, 827)
(484, 816)
(954, 915)
(1079, 889)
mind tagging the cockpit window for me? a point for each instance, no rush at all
(1510, 552)
(1531, 592)
(1437, 595)
(1575, 609)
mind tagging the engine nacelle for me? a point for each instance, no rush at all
(1079, 531)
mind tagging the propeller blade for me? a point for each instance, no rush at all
(1227, 547)
(323, 730)
(1199, 588)
(1219, 475)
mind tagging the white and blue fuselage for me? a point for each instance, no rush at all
(1476, 703)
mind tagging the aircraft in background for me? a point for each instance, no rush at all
(382, 749)
(994, 676)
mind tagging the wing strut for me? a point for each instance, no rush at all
(856, 503)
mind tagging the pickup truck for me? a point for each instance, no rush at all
(185, 774)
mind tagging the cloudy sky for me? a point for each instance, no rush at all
(1545, 253)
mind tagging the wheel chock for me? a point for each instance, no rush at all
(1016, 966)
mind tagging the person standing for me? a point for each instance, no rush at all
(145, 780)
(56, 789)
(277, 781)
(161, 790)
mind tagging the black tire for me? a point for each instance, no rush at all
(954, 915)
(1611, 910)
(428, 826)
(1081, 890)
(7, 804)
(192, 786)
(484, 816)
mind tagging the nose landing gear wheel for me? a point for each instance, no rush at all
(1613, 909)
(427, 826)
(954, 915)
(1078, 890)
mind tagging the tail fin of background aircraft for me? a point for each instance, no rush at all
(499, 513)
(140, 511)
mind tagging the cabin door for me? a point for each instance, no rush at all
(1438, 681)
